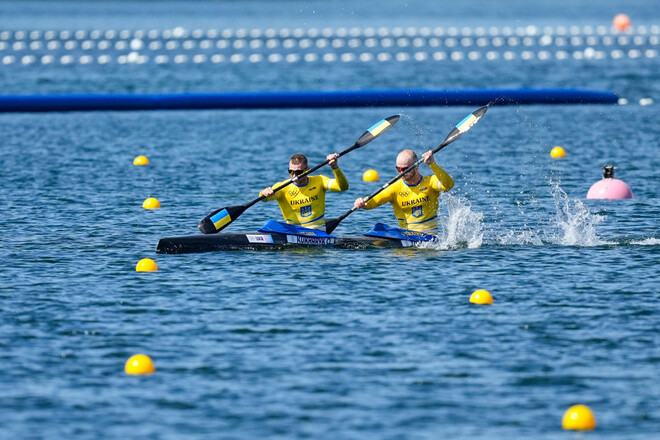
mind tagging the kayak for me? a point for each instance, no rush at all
(277, 235)
(261, 241)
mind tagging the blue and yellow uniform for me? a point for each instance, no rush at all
(305, 205)
(416, 206)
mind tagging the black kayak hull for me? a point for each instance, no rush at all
(264, 241)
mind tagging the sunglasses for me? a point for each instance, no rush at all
(296, 172)
(401, 169)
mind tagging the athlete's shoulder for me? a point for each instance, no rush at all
(318, 181)
(395, 188)
(319, 178)
(429, 179)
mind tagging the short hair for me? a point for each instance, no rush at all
(298, 159)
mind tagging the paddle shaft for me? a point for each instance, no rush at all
(454, 134)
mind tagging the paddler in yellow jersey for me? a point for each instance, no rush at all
(413, 197)
(303, 202)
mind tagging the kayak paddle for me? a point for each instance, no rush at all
(221, 218)
(460, 128)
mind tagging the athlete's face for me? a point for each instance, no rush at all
(295, 169)
(401, 164)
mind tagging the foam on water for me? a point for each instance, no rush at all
(647, 242)
(520, 238)
(462, 227)
(574, 224)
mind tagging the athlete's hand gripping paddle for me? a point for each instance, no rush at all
(460, 129)
(223, 217)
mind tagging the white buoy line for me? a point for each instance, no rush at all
(458, 55)
(322, 42)
(182, 33)
(401, 44)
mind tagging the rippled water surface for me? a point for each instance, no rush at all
(320, 343)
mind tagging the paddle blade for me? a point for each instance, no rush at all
(331, 225)
(465, 125)
(220, 219)
(376, 130)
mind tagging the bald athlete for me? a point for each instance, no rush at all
(414, 197)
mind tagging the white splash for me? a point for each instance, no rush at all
(576, 225)
(462, 227)
(524, 237)
(647, 242)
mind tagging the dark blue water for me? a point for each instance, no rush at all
(329, 343)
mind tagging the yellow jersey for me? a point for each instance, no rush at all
(305, 205)
(416, 206)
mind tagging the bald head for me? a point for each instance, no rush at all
(406, 158)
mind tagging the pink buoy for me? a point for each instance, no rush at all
(609, 187)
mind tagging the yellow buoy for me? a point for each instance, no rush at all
(141, 160)
(621, 22)
(481, 297)
(146, 265)
(579, 418)
(151, 203)
(557, 152)
(370, 176)
(139, 364)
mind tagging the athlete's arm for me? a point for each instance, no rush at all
(379, 199)
(445, 181)
(268, 193)
(339, 183)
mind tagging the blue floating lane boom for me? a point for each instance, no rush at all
(304, 99)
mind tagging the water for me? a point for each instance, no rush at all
(318, 343)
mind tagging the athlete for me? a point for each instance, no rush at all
(303, 202)
(413, 197)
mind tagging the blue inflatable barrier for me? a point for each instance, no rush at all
(319, 99)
